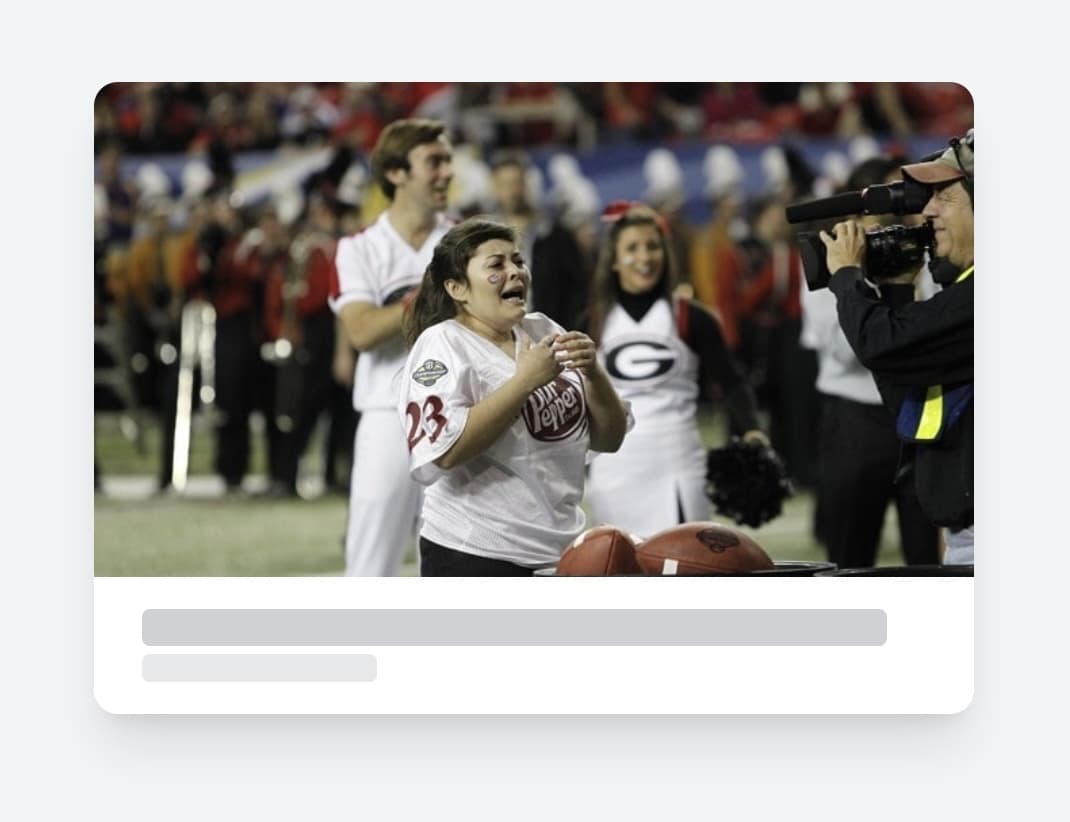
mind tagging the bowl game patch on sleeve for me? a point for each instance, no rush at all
(429, 373)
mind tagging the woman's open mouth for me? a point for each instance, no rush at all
(514, 294)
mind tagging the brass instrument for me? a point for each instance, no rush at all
(196, 349)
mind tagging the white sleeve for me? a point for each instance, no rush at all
(821, 327)
(356, 278)
(435, 399)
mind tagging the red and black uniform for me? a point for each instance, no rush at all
(218, 270)
(303, 382)
(767, 307)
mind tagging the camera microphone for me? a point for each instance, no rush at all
(841, 205)
(907, 197)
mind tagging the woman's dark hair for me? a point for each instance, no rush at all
(433, 304)
(606, 288)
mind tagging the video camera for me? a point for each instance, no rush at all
(890, 251)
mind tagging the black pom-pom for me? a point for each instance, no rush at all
(747, 482)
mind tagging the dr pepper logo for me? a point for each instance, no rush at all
(555, 411)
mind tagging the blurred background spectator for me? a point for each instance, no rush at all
(560, 278)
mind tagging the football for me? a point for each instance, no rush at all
(701, 548)
(599, 552)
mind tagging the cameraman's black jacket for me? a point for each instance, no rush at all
(910, 346)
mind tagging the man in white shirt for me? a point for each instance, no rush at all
(379, 270)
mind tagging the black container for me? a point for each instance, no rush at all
(904, 571)
(795, 569)
(780, 569)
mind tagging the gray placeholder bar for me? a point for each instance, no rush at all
(531, 627)
(258, 668)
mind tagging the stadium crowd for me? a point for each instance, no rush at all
(148, 118)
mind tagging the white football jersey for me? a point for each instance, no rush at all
(519, 500)
(377, 266)
(651, 367)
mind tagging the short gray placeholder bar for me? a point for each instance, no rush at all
(258, 668)
(521, 627)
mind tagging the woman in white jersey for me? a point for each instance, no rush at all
(500, 409)
(657, 349)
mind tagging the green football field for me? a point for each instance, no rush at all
(137, 533)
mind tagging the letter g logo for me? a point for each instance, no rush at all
(639, 360)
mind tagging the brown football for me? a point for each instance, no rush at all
(701, 548)
(599, 552)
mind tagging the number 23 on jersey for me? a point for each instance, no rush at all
(430, 415)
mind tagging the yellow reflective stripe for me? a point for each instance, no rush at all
(931, 414)
(968, 272)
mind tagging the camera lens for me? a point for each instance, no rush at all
(896, 250)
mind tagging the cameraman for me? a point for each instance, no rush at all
(921, 353)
